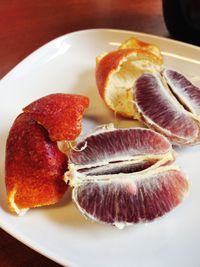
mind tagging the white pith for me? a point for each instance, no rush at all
(119, 86)
(76, 178)
(134, 159)
(121, 163)
(14, 206)
(166, 91)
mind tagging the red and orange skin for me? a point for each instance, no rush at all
(34, 165)
(60, 114)
(136, 43)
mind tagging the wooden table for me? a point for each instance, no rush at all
(26, 25)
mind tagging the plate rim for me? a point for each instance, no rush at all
(63, 36)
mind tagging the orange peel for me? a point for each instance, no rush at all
(136, 43)
(35, 164)
(116, 73)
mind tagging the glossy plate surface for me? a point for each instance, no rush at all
(67, 64)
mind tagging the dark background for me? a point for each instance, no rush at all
(26, 25)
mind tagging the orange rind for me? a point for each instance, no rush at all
(116, 73)
(138, 44)
(35, 166)
(61, 114)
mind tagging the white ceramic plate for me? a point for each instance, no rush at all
(67, 65)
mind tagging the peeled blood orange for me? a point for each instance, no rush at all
(187, 93)
(160, 110)
(125, 176)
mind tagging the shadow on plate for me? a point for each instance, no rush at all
(71, 217)
(66, 213)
